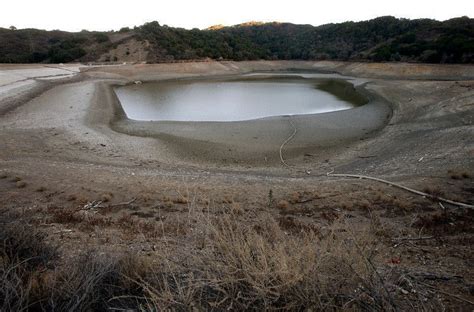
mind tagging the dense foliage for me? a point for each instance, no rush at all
(36, 46)
(380, 39)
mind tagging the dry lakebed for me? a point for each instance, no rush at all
(136, 159)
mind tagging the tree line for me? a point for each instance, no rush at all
(380, 39)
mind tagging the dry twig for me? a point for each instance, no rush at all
(452, 202)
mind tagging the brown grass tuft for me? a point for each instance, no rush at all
(458, 174)
(227, 200)
(283, 205)
(71, 197)
(15, 179)
(20, 184)
(435, 191)
(65, 216)
(107, 197)
(180, 200)
(236, 208)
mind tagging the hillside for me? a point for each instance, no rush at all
(380, 39)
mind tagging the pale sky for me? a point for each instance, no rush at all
(107, 15)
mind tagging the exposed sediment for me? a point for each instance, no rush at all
(258, 140)
(88, 112)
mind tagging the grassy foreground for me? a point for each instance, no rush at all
(223, 263)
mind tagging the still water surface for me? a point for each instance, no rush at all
(234, 100)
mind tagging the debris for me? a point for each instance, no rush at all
(63, 231)
(124, 203)
(93, 205)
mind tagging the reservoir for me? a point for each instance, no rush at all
(234, 99)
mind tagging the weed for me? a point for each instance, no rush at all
(15, 179)
(435, 191)
(65, 216)
(271, 200)
(283, 206)
(20, 184)
(180, 200)
(107, 197)
(71, 197)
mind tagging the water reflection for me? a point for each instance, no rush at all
(234, 100)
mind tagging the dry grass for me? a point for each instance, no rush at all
(283, 206)
(40, 189)
(15, 179)
(241, 267)
(435, 191)
(106, 197)
(20, 184)
(71, 197)
(65, 216)
(180, 200)
(446, 223)
(459, 174)
(23, 254)
(216, 262)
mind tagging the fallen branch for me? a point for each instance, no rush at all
(124, 203)
(287, 140)
(412, 238)
(63, 231)
(304, 201)
(401, 240)
(452, 202)
(447, 293)
(433, 277)
(93, 205)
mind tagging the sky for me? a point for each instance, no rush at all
(104, 15)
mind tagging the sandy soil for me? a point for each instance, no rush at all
(59, 137)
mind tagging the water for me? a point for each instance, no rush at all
(235, 100)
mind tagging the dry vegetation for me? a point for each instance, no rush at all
(302, 250)
(217, 261)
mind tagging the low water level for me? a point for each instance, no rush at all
(234, 100)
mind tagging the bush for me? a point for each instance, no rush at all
(101, 37)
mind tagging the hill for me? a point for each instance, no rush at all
(381, 39)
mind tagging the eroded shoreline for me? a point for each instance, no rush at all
(97, 115)
(259, 140)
